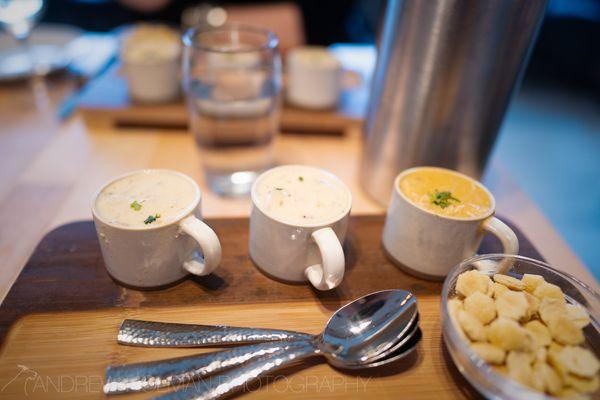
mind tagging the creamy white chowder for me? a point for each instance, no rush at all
(145, 200)
(301, 195)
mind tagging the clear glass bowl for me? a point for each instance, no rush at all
(480, 374)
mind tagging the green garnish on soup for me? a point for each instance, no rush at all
(135, 205)
(442, 199)
(151, 219)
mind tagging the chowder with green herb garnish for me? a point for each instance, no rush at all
(145, 200)
(302, 195)
(298, 224)
(445, 193)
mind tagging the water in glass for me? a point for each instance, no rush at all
(232, 81)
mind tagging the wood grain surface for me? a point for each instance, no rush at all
(66, 354)
(66, 273)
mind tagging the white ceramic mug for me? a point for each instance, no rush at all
(314, 78)
(155, 82)
(151, 62)
(428, 244)
(299, 252)
(157, 256)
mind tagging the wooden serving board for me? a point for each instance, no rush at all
(65, 311)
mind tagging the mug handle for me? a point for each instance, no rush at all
(510, 243)
(209, 244)
(330, 272)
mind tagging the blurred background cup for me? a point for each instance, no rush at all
(151, 62)
(314, 77)
(232, 80)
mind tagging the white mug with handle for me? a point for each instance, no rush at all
(428, 245)
(314, 78)
(300, 251)
(155, 256)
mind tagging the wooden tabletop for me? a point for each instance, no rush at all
(49, 170)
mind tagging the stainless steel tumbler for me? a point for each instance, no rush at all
(445, 73)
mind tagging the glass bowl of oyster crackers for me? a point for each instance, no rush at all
(517, 328)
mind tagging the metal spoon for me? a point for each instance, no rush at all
(158, 374)
(227, 382)
(356, 333)
(160, 334)
(144, 376)
(165, 334)
(392, 313)
(386, 357)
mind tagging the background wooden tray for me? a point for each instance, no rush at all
(105, 101)
(68, 311)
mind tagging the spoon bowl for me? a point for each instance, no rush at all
(400, 350)
(368, 328)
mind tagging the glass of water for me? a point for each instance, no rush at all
(232, 79)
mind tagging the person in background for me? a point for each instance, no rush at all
(317, 22)
(145, 6)
(565, 53)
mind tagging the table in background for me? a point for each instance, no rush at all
(49, 171)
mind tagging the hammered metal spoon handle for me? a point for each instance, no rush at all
(162, 334)
(157, 374)
(237, 378)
